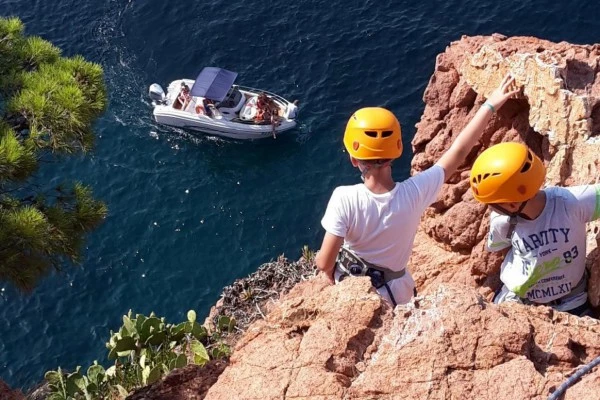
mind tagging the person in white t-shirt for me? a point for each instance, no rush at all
(374, 223)
(544, 229)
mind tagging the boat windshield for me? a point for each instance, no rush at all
(232, 99)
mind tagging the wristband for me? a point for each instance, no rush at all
(490, 106)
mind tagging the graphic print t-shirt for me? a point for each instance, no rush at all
(547, 258)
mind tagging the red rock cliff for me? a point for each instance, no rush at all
(558, 116)
(344, 342)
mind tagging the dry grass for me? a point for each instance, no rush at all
(246, 298)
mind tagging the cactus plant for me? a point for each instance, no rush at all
(143, 350)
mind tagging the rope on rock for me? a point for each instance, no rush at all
(574, 378)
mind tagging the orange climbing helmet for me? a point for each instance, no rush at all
(505, 173)
(373, 133)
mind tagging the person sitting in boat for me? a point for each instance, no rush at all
(184, 97)
(261, 107)
(274, 123)
(267, 109)
(208, 106)
(261, 100)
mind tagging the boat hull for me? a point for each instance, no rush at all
(166, 115)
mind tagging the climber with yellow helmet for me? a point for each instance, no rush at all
(370, 227)
(544, 229)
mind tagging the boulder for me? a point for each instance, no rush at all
(344, 342)
(308, 346)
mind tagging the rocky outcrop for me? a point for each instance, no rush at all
(6, 393)
(557, 114)
(344, 342)
(188, 383)
(308, 346)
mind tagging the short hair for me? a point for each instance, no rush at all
(375, 163)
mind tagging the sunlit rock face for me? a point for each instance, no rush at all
(557, 114)
(343, 342)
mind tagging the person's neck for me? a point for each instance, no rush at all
(379, 182)
(535, 206)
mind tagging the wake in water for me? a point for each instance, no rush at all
(125, 80)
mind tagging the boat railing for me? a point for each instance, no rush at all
(259, 91)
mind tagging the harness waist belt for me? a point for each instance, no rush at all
(580, 288)
(352, 264)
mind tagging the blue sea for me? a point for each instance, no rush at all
(188, 215)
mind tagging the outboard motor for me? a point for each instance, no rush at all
(157, 94)
(292, 110)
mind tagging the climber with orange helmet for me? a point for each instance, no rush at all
(544, 229)
(370, 227)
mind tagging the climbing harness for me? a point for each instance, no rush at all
(581, 287)
(569, 382)
(352, 265)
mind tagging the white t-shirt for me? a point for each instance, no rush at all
(381, 228)
(547, 255)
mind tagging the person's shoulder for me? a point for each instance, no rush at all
(345, 197)
(559, 192)
(435, 169)
(432, 174)
(498, 219)
(347, 190)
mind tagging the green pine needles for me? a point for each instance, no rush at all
(47, 106)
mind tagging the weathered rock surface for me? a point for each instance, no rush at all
(307, 347)
(343, 342)
(189, 383)
(557, 115)
(6, 393)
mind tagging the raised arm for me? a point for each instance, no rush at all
(468, 137)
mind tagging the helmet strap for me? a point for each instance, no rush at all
(363, 168)
(513, 219)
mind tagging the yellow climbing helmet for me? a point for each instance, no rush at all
(373, 133)
(507, 172)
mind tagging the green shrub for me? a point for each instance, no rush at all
(143, 350)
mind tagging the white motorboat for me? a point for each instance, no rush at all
(216, 106)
